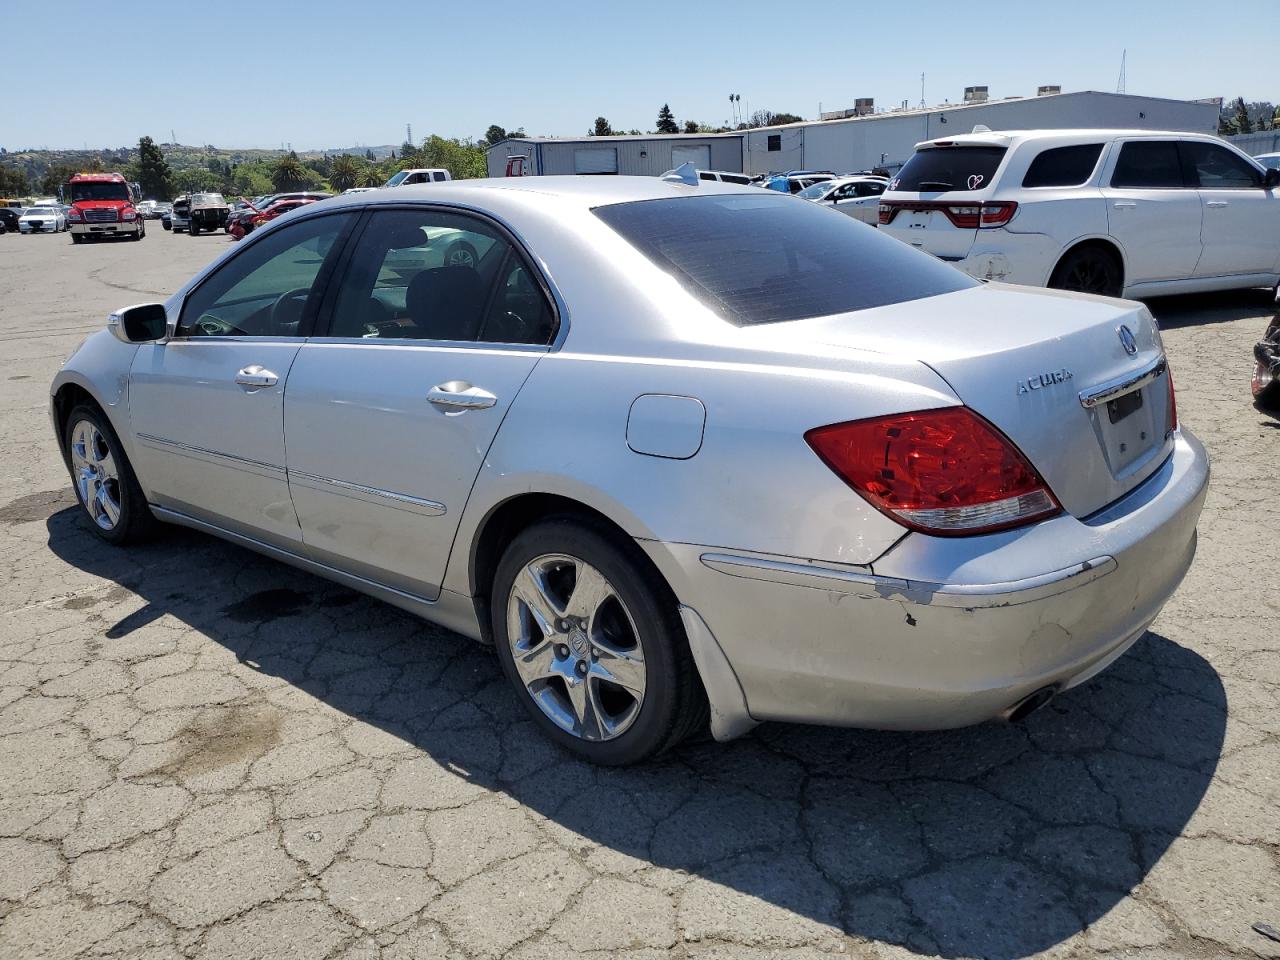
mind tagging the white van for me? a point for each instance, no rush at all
(1131, 213)
(406, 178)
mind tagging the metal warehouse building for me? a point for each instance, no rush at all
(646, 156)
(848, 143)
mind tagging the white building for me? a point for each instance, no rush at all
(884, 139)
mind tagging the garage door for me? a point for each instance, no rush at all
(700, 157)
(595, 160)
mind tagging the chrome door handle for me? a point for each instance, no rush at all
(256, 375)
(458, 396)
(1215, 203)
(1125, 204)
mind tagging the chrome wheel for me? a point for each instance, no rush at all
(1263, 377)
(460, 255)
(575, 647)
(96, 474)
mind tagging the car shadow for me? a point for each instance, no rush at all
(1199, 309)
(995, 841)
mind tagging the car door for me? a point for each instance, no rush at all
(1240, 230)
(1153, 213)
(207, 404)
(390, 411)
(862, 201)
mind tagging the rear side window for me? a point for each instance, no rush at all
(1063, 166)
(768, 258)
(949, 168)
(1149, 164)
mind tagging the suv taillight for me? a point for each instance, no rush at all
(945, 472)
(986, 215)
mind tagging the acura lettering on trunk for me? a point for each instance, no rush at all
(688, 455)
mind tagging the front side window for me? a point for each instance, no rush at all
(946, 169)
(869, 189)
(766, 258)
(437, 275)
(1063, 166)
(1148, 165)
(267, 290)
(1212, 167)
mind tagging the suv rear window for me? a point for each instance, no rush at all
(936, 169)
(768, 258)
(1063, 166)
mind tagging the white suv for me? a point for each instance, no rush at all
(1119, 212)
(407, 178)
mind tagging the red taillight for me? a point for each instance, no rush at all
(1173, 398)
(986, 215)
(946, 472)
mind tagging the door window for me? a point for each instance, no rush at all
(1213, 167)
(436, 275)
(869, 189)
(1148, 165)
(267, 290)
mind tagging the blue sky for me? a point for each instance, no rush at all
(329, 74)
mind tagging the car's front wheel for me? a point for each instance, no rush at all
(103, 478)
(592, 641)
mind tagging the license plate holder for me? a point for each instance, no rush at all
(1121, 407)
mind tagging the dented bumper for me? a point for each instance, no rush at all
(944, 632)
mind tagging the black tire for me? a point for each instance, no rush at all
(192, 228)
(136, 522)
(674, 704)
(1088, 270)
(1265, 382)
(77, 238)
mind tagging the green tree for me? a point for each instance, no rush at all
(1241, 122)
(289, 173)
(370, 176)
(602, 128)
(152, 171)
(667, 120)
(495, 134)
(13, 181)
(344, 173)
(55, 177)
(691, 126)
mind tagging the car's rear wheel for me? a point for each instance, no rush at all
(593, 644)
(1088, 270)
(461, 254)
(103, 478)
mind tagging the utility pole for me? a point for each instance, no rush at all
(1120, 82)
(922, 104)
(408, 133)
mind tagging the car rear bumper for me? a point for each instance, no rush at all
(945, 632)
(105, 229)
(1000, 254)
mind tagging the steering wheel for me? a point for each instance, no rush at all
(286, 312)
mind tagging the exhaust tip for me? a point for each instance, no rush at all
(1030, 704)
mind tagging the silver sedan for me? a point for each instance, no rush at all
(688, 456)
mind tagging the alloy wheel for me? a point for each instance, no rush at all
(575, 647)
(1263, 377)
(1088, 275)
(97, 476)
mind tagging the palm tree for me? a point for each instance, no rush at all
(288, 173)
(344, 174)
(370, 177)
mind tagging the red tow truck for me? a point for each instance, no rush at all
(102, 205)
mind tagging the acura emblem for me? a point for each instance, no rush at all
(1126, 340)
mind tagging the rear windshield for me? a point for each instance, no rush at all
(937, 169)
(767, 258)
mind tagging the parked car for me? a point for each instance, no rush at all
(250, 220)
(857, 197)
(717, 176)
(1265, 383)
(796, 180)
(42, 220)
(1269, 160)
(180, 213)
(147, 209)
(959, 499)
(1131, 213)
(9, 217)
(358, 190)
(208, 212)
(408, 178)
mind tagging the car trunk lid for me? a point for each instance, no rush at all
(1052, 370)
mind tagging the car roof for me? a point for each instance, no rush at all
(568, 191)
(1005, 138)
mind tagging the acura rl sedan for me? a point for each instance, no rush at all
(689, 455)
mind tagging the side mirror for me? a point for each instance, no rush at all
(1271, 179)
(142, 323)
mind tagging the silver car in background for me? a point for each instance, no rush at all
(687, 455)
(857, 197)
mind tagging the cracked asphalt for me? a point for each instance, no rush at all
(206, 754)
